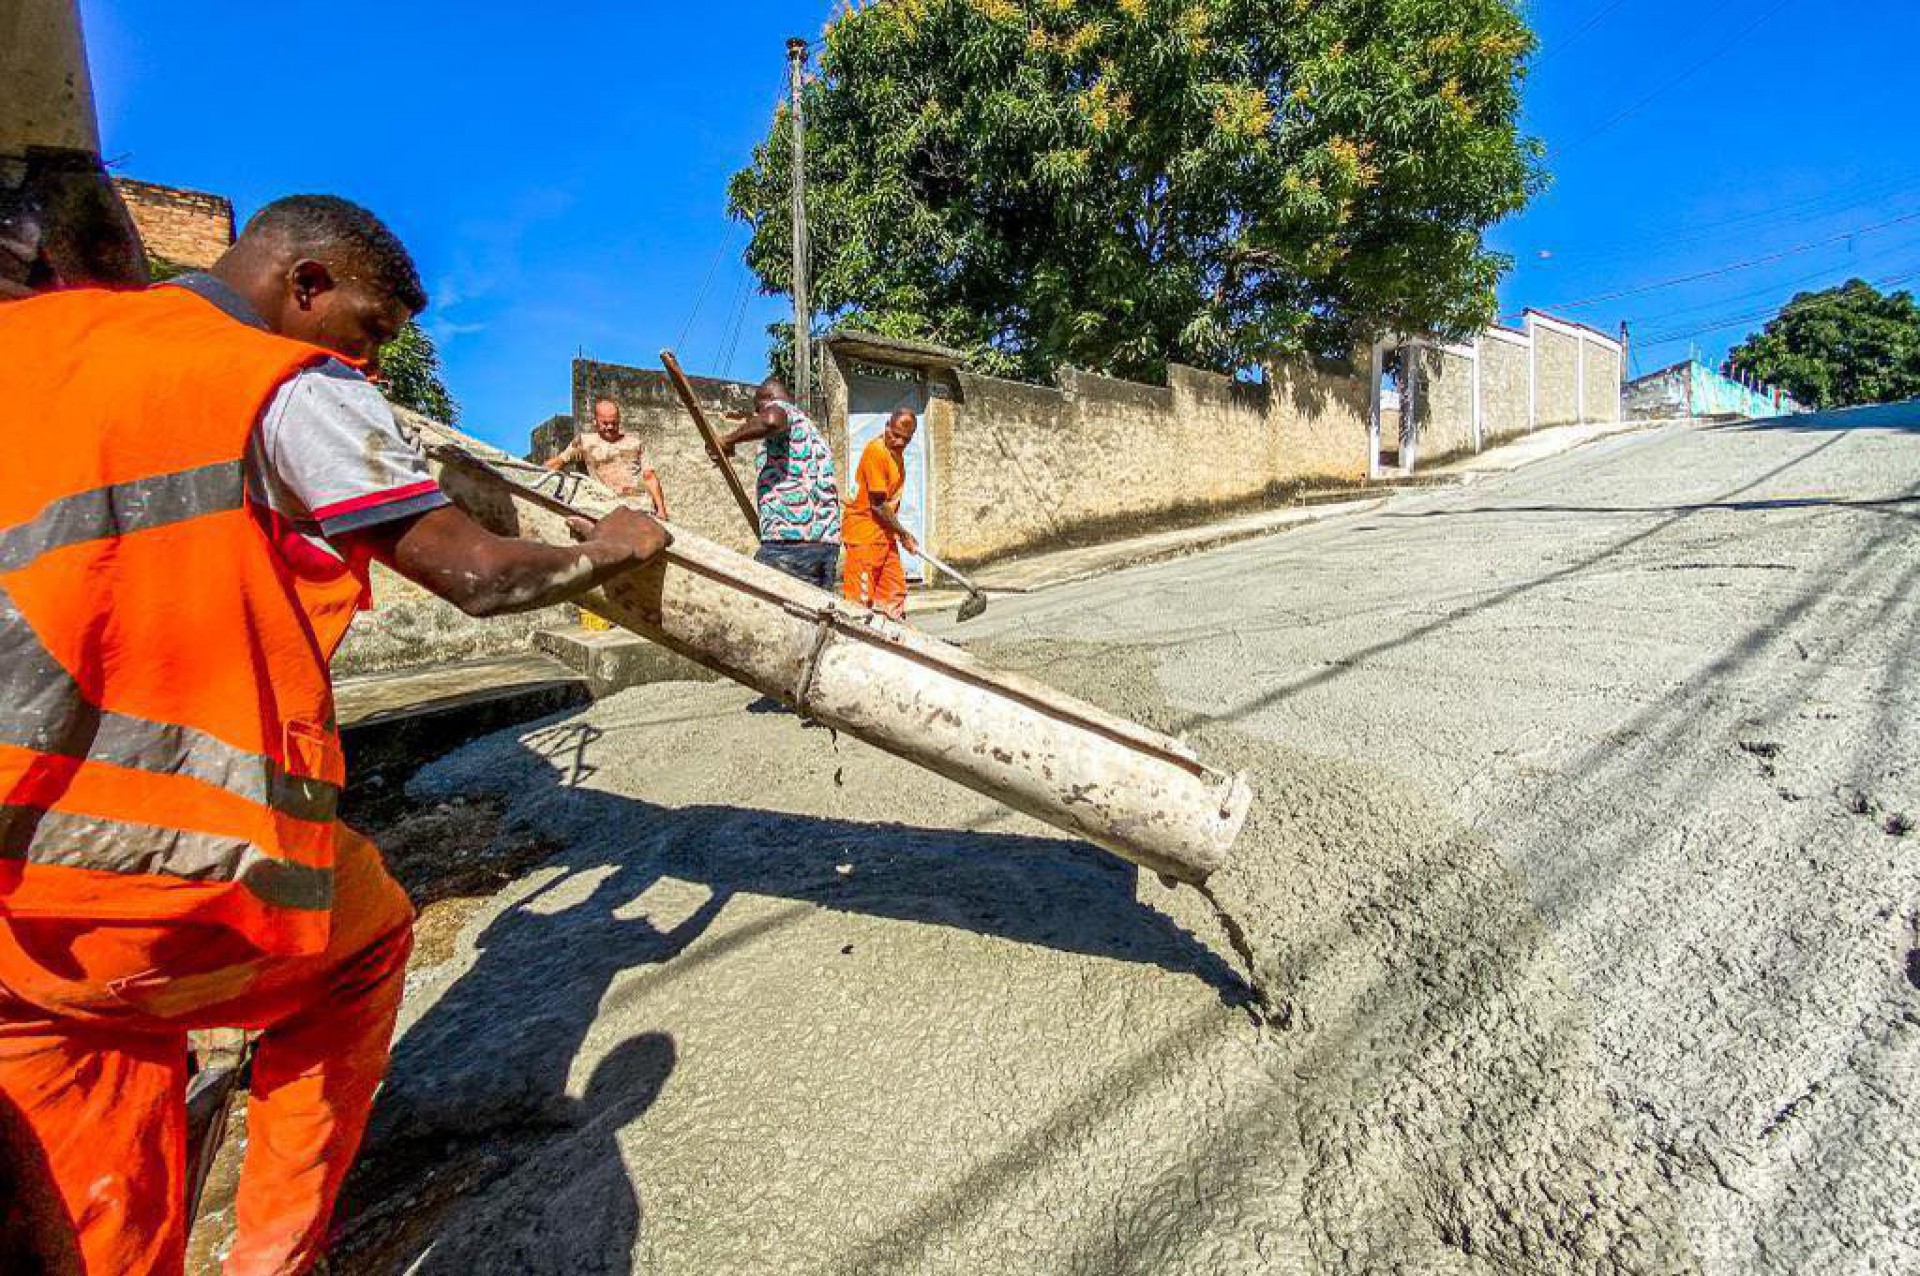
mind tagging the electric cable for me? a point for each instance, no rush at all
(1672, 336)
(726, 240)
(1720, 49)
(1553, 50)
(1732, 267)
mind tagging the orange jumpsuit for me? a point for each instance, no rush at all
(871, 572)
(169, 772)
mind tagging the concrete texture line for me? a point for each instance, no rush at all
(903, 1243)
(1502, 596)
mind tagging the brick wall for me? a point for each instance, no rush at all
(182, 227)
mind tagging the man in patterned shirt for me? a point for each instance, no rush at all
(798, 497)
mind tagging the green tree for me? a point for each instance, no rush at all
(1115, 183)
(410, 375)
(1839, 347)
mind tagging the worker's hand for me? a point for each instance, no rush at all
(628, 528)
(909, 544)
(728, 447)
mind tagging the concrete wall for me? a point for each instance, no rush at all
(1601, 393)
(697, 495)
(1320, 425)
(1018, 466)
(1463, 396)
(1660, 395)
(1443, 403)
(1556, 363)
(1692, 389)
(1505, 403)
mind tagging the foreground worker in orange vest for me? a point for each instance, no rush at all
(195, 485)
(872, 573)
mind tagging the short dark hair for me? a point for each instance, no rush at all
(324, 224)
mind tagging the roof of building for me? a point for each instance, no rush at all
(879, 349)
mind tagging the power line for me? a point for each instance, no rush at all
(1559, 46)
(1720, 50)
(739, 320)
(1733, 267)
(1798, 212)
(701, 296)
(1852, 265)
(1671, 337)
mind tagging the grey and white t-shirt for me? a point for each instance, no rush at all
(328, 455)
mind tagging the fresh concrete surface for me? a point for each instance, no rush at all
(1033, 572)
(1579, 876)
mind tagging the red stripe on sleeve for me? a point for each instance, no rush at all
(372, 499)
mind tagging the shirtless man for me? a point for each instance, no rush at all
(614, 458)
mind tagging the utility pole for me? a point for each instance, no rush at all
(802, 321)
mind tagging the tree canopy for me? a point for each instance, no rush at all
(1112, 184)
(1839, 347)
(410, 375)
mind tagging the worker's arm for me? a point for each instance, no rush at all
(769, 420)
(445, 552)
(566, 456)
(658, 493)
(887, 514)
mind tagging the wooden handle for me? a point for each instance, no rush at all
(685, 390)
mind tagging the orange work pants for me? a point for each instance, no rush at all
(93, 1071)
(873, 576)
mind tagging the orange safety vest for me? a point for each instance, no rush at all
(168, 749)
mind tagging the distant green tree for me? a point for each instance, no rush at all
(1839, 347)
(410, 375)
(1115, 183)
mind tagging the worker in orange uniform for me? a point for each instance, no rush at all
(871, 530)
(199, 476)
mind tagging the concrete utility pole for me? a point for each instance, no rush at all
(802, 324)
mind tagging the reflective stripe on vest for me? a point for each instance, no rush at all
(123, 508)
(63, 839)
(48, 714)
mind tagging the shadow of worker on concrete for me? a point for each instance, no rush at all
(574, 1207)
(479, 1082)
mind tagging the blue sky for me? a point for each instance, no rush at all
(562, 180)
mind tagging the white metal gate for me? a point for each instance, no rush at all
(873, 395)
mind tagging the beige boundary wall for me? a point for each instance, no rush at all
(1460, 397)
(1016, 467)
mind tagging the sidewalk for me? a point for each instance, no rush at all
(1538, 446)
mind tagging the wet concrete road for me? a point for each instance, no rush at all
(1587, 849)
(1674, 677)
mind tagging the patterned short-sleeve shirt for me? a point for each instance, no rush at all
(799, 499)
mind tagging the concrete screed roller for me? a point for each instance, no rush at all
(1141, 795)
